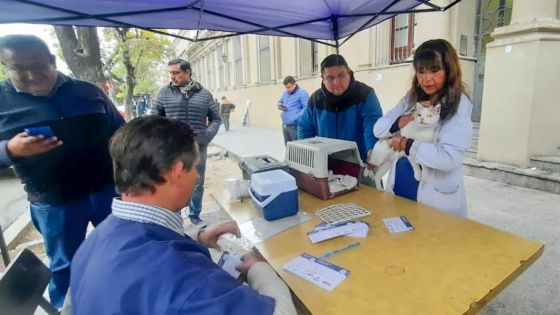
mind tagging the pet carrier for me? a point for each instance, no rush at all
(310, 161)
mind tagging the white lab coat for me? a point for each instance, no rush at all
(444, 187)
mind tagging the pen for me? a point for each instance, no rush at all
(336, 251)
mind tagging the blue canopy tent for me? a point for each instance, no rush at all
(330, 22)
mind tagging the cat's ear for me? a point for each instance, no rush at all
(419, 106)
(438, 108)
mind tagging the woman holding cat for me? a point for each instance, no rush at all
(437, 80)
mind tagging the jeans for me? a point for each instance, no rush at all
(290, 133)
(225, 120)
(195, 205)
(63, 227)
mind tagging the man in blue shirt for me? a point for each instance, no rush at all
(343, 108)
(138, 261)
(292, 103)
(68, 177)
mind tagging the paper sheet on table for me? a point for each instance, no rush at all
(318, 271)
(324, 231)
(258, 229)
(398, 224)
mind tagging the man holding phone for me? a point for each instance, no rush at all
(55, 131)
(291, 104)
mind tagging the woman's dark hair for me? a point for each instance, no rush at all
(146, 148)
(439, 53)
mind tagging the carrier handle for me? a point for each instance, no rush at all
(265, 202)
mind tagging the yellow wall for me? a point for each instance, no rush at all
(520, 116)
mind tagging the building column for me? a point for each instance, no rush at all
(520, 105)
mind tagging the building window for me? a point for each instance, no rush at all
(209, 72)
(264, 59)
(194, 70)
(238, 59)
(308, 57)
(315, 56)
(221, 72)
(203, 75)
(215, 74)
(199, 73)
(402, 37)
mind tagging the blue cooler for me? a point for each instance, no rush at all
(275, 194)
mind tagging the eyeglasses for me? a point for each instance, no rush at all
(340, 77)
(37, 68)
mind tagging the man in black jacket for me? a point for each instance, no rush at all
(68, 176)
(186, 100)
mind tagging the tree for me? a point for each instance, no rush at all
(135, 57)
(80, 48)
(127, 58)
(125, 47)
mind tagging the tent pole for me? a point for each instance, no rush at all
(431, 5)
(451, 5)
(200, 12)
(364, 26)
(334, 21)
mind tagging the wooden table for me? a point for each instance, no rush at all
(447, 265)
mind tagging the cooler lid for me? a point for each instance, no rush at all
(257, 163)
(272, 182)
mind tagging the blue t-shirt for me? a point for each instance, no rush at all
(128, 267)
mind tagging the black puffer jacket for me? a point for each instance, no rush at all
(198, 109)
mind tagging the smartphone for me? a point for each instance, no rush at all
(45, 131)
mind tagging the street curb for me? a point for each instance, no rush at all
(17, 230)
(229, 153)
(214, 150)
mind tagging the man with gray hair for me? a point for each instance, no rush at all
(139, 261)
(186, 100)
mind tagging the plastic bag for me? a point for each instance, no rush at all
(238, 188)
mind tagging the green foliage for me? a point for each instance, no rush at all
(495, 13)
(3, 73)
(148, 52)
(56, 45)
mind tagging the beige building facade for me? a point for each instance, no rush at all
(249, 69)
(521, 119)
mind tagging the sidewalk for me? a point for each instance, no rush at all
(528, 213)
(245, 141)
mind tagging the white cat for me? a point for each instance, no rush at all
(422, 128)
